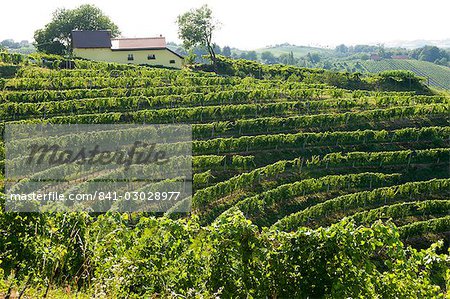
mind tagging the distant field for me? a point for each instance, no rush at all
(298, 51)
(438, 76)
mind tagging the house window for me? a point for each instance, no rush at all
(130, 57)
(151, 56)
(172, 61)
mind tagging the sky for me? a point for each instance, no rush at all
(251, 24)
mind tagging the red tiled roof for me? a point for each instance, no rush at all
(139, 43)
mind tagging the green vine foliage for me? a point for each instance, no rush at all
(307, 184)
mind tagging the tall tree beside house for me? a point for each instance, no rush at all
(55, 37)
(196, 28)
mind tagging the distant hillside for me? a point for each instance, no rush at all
(438, 76)
(444, 43)
(298, 51)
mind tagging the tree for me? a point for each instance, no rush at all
(248, 55)
(343, 49)
(364, 57)
(288, 58)
(364, 49)
(313, 58)
(382, 51)
(243, 55)
(429, 53)
(10, 43)
(251, 55)
(196, 28)
(226, 51)
(268, 57)
(55, 37)
(217, 49)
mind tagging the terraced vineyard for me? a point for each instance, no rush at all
(312, 166)
(435, 75)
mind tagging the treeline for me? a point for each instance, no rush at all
(24, 46)
(432, 54)
(426, 53)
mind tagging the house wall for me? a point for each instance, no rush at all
(162, 56)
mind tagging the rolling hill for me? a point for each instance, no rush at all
(298, 51)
